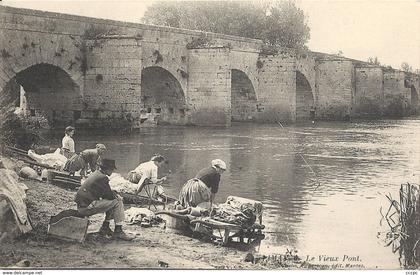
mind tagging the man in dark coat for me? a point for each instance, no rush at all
(95, 196)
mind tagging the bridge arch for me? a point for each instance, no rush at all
(305, 105)
(45, 90)
(162, 96)
(243, 97)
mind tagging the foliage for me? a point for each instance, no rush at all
(159, 57)
(374, 61)
(268, 50)
(406, 67)
(276, 23)
(402, 219)
(199, 42)
(340, 53)
(16, 130)
(95, 32)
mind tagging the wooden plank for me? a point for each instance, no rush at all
(217, 224)
(67, 179)
(38, 164)
(66, 183)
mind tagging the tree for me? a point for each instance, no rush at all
(285, 25)
(340, 53)
(406, 67)
(374, 61)
(276, 23)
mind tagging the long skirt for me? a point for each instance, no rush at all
(193, 193)
(75, 163)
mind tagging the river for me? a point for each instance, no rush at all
(322, 184)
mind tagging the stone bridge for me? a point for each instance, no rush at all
(96, 72)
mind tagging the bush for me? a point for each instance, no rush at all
(15, 130)
(19, 132)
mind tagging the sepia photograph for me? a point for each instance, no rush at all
(209, 135)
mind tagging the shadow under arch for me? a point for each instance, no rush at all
(243, 97)
(46, 90)
(305, 106)
(162, 96)
(414, 101)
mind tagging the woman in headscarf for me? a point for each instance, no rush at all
(87, 159)
(204, 186)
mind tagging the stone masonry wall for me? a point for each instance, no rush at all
(334, 90)
(244, 85)
(369, 95)
(112, 79)
(276, 91)
(58, 39)
(396, 96)
(101, 63)
(208, 95)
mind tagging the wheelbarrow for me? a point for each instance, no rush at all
(225, 232)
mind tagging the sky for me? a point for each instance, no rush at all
(387, 29)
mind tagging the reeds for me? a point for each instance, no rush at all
(403, 219)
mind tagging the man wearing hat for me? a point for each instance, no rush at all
(95, 196)
(211, 176)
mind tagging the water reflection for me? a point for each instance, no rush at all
(354, 164)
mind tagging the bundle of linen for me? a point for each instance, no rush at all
(55, 159)
(142, 216)
(236, 210)
(121, 185)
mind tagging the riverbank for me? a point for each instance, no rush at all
(149, 249)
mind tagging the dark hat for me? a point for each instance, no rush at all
(108, 164)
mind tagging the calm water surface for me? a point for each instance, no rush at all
(322, 184)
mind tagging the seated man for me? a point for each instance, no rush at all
(95, 196)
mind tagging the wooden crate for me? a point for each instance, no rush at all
(69, 229)
(63, 179)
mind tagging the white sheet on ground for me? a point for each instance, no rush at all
(52, 159)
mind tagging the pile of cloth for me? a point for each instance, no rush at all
(56, 159)
(141, 216)
(237, 210)
(121, 185)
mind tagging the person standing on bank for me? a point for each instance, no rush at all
(95, 196)
(88, 158)
(147, 173)
(210, 176)
(67, 144)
